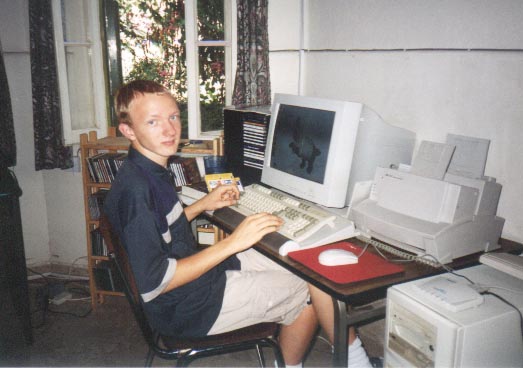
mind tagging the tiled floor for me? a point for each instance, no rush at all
(109, 336)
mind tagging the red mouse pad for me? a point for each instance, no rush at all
(369, 266)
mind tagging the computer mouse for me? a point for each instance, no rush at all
(337, 257)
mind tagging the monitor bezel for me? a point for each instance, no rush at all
(333, 191)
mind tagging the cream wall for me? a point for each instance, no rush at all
(66, 218)
(14, 35)
(377, 24)
(51, 204)
(362, 51)
(285, 38)
(432, 93)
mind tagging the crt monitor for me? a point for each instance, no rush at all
(317, 149)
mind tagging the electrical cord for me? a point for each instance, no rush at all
(426, 259)
(484, 290)
(509, 304)
(44, 277)
(450, 270)
(434, 262)
(363, 250)
(71, 314)
(72, 265)
(75, 287)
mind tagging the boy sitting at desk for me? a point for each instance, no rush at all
(223, 287)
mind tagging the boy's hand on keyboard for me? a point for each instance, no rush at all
(252, 229)
(221, 196)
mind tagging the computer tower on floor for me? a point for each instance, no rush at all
(440, 322)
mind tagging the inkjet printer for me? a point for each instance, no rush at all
(441, 206)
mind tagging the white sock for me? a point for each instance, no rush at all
(358, 356)
(299, 365)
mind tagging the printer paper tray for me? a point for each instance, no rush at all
(394, 223)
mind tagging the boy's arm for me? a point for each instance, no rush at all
(221, 196)
(248, 233)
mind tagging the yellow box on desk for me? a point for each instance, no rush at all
(213, 180)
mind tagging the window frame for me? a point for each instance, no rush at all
(72, 136)
(193, 44)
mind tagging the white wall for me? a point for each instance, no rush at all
(285, 38)
(51, 204)
(379, 24)
(432, 92)
(66, 217)
(14, 33)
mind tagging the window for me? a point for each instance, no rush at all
(188, 47)
(80, 67)
(209, 63)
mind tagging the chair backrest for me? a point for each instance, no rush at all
(118, 254)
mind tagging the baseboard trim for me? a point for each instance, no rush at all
(57, 276)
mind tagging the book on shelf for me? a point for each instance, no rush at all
(185, 170)
(96, 202)
(103, 168)
(107, 278)
(98, 247)
(254, 140)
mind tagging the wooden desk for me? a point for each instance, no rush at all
(367, 295)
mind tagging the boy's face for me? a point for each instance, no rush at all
(156, 127)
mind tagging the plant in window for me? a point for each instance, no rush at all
(153, 47)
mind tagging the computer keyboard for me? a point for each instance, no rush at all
(301, 219)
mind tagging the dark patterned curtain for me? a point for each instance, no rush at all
(7, 138)
(50, 151)
(252, 84)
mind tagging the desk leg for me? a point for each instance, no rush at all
(340, 355)
(343, 320)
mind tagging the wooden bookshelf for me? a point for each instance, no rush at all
(91, 145)
(212, 147)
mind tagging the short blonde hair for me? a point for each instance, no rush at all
(127, 93)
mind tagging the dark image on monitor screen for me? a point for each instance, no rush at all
(301, 141)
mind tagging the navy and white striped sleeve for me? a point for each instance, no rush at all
(148, 255)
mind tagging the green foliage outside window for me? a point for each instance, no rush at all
(153, 41)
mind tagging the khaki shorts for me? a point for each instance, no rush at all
(262, 291)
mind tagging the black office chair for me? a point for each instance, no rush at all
(185, 350)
